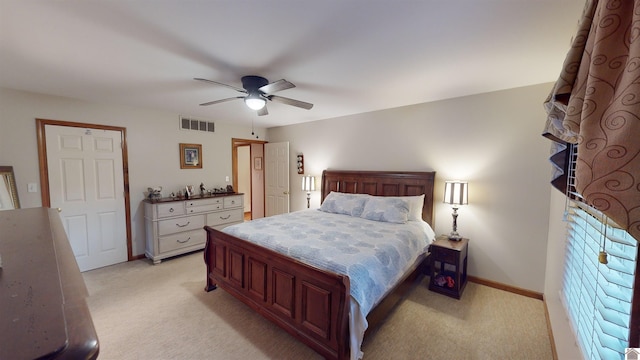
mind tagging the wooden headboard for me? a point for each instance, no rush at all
(382, 183)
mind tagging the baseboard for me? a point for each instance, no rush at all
(509, 288)
(137, 257)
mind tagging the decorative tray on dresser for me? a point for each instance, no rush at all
(176, 226)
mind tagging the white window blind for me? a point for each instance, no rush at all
(598, 296)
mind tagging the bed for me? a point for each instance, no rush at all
(310, 302)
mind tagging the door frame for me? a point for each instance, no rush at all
(44, 166)
(235, 143)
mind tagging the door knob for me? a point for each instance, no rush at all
(285, 192)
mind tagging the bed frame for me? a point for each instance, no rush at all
(309, 303)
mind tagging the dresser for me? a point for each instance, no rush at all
(176, 226)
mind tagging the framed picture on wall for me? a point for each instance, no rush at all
(257, 163)
(190, 156)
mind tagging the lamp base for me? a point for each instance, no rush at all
(453, 235)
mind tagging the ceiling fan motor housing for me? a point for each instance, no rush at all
(252, 83)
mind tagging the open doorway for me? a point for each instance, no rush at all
(247, 157)
(244, 178)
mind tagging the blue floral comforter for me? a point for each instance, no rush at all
(374, 254)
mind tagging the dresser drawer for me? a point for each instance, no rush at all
(181, 240)
(171, 209)
(203, 208)
(204, 205)
(233, 201)
(225, 217)
(171, 226)
(204, 202)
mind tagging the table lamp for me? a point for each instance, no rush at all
(308, 185)
(455, 194)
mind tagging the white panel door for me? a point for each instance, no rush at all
(276, 157)
(86, 181)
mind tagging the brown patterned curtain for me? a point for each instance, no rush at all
(596, 104)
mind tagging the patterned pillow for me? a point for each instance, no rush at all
(415, 206)
(341, 203)
(387, 209)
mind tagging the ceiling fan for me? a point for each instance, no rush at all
(258, 90)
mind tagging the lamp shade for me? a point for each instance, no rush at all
(255, 101)
(456, 192)
(308, 183)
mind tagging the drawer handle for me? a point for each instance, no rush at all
(171, 210)
(225, 218)
(182, 242)
(188, 222)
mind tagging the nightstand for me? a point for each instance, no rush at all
(448, 266)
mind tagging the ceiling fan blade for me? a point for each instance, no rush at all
(263, 111)
(221, 101)
(284, 100)
(279, 85)
(219, 83)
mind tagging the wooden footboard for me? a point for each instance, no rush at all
(309, 303)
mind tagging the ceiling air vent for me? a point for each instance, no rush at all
(187, 123)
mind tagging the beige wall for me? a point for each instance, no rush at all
(492, 140)
(152, 138)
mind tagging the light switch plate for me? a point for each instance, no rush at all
(32, 187)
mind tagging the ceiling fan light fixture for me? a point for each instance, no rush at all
(256, 91)
(255, 101)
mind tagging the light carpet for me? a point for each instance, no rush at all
(145, 311)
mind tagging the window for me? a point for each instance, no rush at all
(599, 297)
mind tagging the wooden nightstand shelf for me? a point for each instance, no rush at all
(448, 266)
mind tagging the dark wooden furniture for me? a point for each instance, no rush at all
(43, 314)
(448, 266)
(8, 181)
(309, 303)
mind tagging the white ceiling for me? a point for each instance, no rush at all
(344, 56)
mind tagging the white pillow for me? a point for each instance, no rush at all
(347, 204)
(387, 209)
(416, 203)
